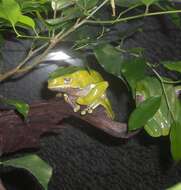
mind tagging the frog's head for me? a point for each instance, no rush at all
(63, 83)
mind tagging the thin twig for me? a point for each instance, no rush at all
(132, 17)
(55, 40)
(21, 64)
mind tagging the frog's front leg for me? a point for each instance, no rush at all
(93, 98)
(71, 101)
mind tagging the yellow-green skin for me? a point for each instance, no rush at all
(83, 87)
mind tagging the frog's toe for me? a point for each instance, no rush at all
(90, 110)
(66, 98)
(76, 108)
(83, 112)
(59, 95)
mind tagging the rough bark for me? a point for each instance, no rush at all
(49, 117)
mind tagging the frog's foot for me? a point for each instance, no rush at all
(90, 108)
(76, 108)
(71, 102)
(59, 95)
(86, 110)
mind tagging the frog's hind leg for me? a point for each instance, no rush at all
(71, 101)
(103, 101)
(107, 105)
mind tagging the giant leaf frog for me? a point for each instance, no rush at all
(82, 88)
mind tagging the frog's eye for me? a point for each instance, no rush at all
(67, 80)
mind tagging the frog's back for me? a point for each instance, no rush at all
(87, 77)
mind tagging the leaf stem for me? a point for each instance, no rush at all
(132, 17)
(34, 37)
(127, 10)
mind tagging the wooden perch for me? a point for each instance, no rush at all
(45, 117)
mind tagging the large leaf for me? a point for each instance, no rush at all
(173, 65)
(21, 107)
(35, 165)
(10, 11)
(134, 71)
(109, 58)
(144, 111)
(160, 123)
(114, 62)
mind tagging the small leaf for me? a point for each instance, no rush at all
(10, 10)
(27, 21)
(175, 187)
(173, 65)
(35, 165)
(20, 106)
(61, 4)
(175, 140)
(144, 111)
(149, 2)
(64, 70)
(86, 4)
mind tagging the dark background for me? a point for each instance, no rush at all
(84, 157)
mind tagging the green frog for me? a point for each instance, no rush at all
(82, 88)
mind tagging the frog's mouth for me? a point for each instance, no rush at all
(67, 90)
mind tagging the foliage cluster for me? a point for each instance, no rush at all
(48, 22)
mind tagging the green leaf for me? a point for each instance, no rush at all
(109, 58)
(175, 187)
(160, 123)
(10, 11)
(114, 62)
(27, 21)
(86, 4)
(61, 4)
(149, 2)
(173, 65)
(35, 165)
(68, 14)
(134, 71)
(30, 6)
(20, 106)
(64, 70)
(175, 140)
(144, 111)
